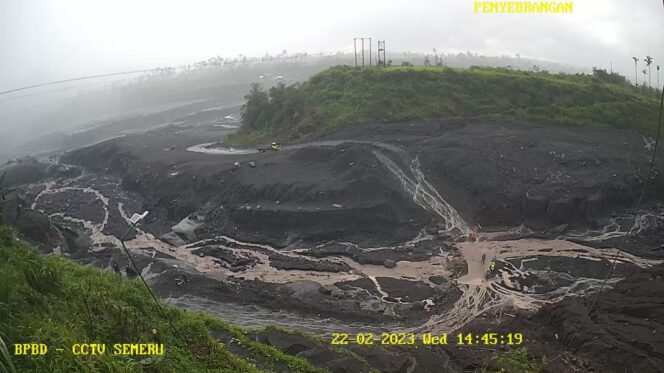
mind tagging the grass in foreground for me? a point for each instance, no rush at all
(51, 300)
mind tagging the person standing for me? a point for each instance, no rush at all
(472, 235)
(115, 266)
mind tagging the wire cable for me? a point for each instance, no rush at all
(131, 259)
(73, 80)
(636, 209)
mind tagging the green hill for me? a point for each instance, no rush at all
(343, 95)
(54, 301)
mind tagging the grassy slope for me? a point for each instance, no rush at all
(51, 300)
(342, 95)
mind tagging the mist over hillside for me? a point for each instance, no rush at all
(58, 110)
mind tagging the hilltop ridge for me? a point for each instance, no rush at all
(343, 95)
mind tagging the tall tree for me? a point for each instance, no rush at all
(657, 76)
(427, 62)
(636, 77)
(648, 61)
(4, 192)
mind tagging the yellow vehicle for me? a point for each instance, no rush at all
(273, 147)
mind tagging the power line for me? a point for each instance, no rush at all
(131, 259)
(53, 90)
(381, 51)
(636, 209)
(638, 204)
(74, 79)
(243, 63)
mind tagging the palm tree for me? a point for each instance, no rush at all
(648, 62)
(636, 78)
(657, 76)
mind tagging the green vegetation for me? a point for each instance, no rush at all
(343, 95)
(520, 360)
(51, 300)
(3, 194)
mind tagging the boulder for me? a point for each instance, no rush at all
(172, 238)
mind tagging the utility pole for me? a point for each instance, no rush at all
(362, 51)
(636, 76)
(381, 49)
(355, 50)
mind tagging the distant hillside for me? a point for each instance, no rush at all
(343, 95)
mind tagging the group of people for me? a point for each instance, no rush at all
(474, 237)
(131, 273)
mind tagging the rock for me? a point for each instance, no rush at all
(402, 308)
(38, 227)
(302, 288)
(326, 289)
(557, 231)
(186, 228)
(373, 306)
(172, 239)
(652, 221)
(252, 164)
(388, 312)
(389, 263)
(285, 262)
(438, 280)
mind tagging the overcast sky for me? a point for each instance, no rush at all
(43, 40)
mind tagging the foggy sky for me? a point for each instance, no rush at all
(45, 40)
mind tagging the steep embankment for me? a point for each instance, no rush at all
(348, 184)
(312, 194)
(56, 302)
(622, 329)
(343, 95)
